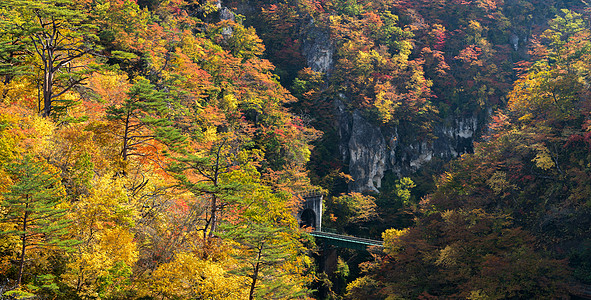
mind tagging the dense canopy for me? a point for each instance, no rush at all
(155, 149)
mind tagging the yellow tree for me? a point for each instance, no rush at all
(102, 264)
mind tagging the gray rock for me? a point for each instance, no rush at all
(367, 155)
(227, 14)
(514, 40)
(317, 48)
(371, 150)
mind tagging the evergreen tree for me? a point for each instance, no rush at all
(270, 245)
(204, 174)
(141, 117)
(12, 51)
(269, 253)
(58, 34)
(34, 205)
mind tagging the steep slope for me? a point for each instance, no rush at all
(420, 77)
(510, 220)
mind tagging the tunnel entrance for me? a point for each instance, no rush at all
(310, 212)
(308, 218)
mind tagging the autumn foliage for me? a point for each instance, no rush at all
(156, 149)
(158, 152)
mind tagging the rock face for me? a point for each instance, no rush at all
(226, 14)
(365, 147)
(514, 40)
(371, 150)
(317, 48)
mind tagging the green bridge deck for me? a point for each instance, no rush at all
(346, 241)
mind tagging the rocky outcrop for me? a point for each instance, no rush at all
(371, 150)
(318, 48)
(226, 14)
(514, 40)
(368, 154)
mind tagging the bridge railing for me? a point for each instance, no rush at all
(334, 231)
(346, 241)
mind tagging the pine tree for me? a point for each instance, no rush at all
(206, 172)
(34, 204)
(142, 117)
(269, 245)
(268, 253)
(12, 51)
(58, 34)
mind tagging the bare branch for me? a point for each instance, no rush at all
(69, 87)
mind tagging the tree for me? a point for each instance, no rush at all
(136, 115)
(553, 89)
(34, 204)
(349, 211)
(59, 35)
(189, 276)
(461, 254)
(211, 107)
(103, 222)
(12, 50)
(270, 248)
(203, 175)
(265, 252)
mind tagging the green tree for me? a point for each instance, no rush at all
(140, 112)
(270, 247)
(12, 50)
(58, 34)
(265, 252)
(34, 205)
(203, 174)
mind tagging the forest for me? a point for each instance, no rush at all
(161, 149)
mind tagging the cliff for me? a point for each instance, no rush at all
(370, 149)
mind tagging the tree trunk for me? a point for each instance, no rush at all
(126, 136)
(47, 90)
(214, 200)
(255, 274)
(7, 79)
(213, 220)
(24, 240)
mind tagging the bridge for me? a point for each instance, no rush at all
(310, 215)
(345, 241)
(579, 291)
